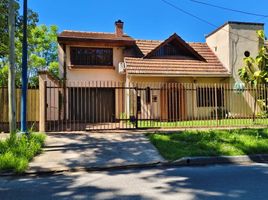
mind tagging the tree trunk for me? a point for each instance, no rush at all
(11, 71)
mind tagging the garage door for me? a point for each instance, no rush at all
(92, 105)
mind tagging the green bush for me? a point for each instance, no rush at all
(16, 152)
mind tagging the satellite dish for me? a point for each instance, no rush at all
(239, 87)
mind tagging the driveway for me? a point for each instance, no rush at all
(67, 151)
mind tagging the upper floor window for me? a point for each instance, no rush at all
(91, 56)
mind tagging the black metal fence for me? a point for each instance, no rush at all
(103, 105)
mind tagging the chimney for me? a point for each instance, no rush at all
(119, 28)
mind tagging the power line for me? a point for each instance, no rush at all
(188, 13)
(203, 20)
(229, 9)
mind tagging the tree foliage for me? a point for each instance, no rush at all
(42, 51)
(255, 70)
(42, 46)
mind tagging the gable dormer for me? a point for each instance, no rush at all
(175, 48)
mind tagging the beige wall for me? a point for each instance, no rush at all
(231, 41)
(235, 104)
(154, 109)
(242, 38)
(92, 73)
(219, 43)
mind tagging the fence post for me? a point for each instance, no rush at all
(43, 105)
(216, 104)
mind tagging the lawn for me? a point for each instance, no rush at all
(173, 146)
(202, 123)
(16, 152)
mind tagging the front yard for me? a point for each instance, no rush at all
(173, 146)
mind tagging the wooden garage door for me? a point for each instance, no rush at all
(92, 105)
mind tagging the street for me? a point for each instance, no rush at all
(183, 183)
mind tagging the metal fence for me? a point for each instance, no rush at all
(32, 108)
(116, 105)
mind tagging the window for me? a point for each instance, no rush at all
(206, 97)
(91, 56)
(167, 50)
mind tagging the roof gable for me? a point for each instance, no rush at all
(174, 46)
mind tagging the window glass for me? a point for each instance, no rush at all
(91, 56)
(208, 97)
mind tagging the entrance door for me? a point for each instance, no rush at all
(173, 102)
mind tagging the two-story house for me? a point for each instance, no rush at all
(115, 63)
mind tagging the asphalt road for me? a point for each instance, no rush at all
(211, 182)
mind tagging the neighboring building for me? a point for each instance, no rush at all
(230, 42)
(116, 57)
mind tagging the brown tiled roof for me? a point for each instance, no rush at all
(147, 46)
(92, 35)
(182, 66)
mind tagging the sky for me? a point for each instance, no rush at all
(146, 19)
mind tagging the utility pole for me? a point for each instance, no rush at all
(24, 78)
(11, 70)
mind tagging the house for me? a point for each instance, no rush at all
(149, 79)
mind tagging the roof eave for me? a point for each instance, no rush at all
(211, 75)
(68, 40)
(233, 22)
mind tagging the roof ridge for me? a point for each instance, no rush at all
(74, 31)
(148, 40)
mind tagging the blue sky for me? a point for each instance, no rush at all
(144, 19)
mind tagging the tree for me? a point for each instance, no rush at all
(42, 46)
(43, 51)
(32, 22)
(255, 73)
(11, 71)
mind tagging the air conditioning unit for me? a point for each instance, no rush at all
(121, 67)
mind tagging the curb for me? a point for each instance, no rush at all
(185, 161)
(86, 169)
(207, 160)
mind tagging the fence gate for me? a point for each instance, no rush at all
(90, 106)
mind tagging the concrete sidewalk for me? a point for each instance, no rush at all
(76, 151)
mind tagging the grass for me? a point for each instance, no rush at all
(173, 146)
(202, 123)
(16, 152)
